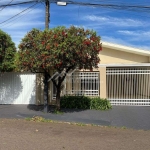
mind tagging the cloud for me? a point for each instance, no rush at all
(134, 33)
(141, 45)
(24, 24)
(20, 25)
(115, 40)
(114, 21)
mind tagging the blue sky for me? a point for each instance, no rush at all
(124, 27)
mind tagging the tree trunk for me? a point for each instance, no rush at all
(58, 97)
(46, 92)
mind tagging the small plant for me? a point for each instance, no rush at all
(124, 127)
(38, 119)
(58, 112)
(80, 124)
(28, 119)
(100, 104)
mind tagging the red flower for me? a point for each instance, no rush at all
(56, 44)
(47, 47)
(63, 33)
(87, 42)
(43, 66)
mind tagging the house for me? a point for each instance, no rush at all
(123, 77)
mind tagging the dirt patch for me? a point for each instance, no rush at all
(26, 135)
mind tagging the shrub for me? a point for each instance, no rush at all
(100, 103)
(77, 102)
(83, 102)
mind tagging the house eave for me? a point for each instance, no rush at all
(126, 49)
(125, 65)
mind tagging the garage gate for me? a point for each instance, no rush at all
(128, 85)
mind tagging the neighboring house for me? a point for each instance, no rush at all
(123, 77)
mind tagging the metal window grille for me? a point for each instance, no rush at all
(84, 83)
(128, 86)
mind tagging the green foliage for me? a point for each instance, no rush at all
(41, 119)
(100, 104)
(58, 112)
(83, 102)
(59, 48)
(38, 119)
(77, 102)
(7, 52)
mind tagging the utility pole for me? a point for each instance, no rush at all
(47, 14)
(47, 20)
(46, 75)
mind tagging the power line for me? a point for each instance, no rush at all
(111, 6)
(21, 3)
(7, 5)
(6, 24)
(18, 13)
(114, 6)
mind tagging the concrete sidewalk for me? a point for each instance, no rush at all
(119, 116)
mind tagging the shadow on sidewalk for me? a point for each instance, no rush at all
(52, 109)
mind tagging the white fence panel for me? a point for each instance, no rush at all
(17, 88)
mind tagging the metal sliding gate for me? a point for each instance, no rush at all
(128, 85)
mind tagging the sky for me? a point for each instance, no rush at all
(124, 27)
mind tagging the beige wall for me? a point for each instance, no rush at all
(40, 89)
(111, 56)
(102, 71)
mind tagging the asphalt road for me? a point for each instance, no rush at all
(135, 117)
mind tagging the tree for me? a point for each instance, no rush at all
(7, 52)
(60, 49)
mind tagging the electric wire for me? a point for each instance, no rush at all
(18, 14)
(6, 5)
(20, 3)
(7, 24)
(115, 6)
(135, 8)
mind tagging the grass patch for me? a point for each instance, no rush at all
(38, 119)
(58, 112)
(41, 119)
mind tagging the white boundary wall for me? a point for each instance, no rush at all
(17, 88)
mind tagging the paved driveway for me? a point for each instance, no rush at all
(120, 116)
